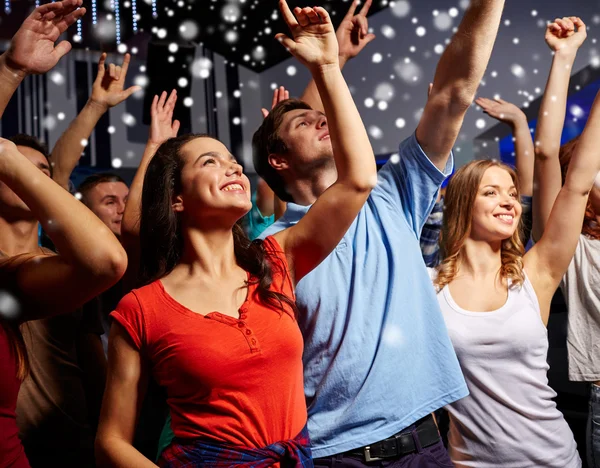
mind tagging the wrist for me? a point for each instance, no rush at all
(96, 106)
(343, 59)
(567, 54)
(10, 70)
(323, 70)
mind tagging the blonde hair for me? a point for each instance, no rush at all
(458, 207)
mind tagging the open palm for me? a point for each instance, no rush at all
(32, 48)
(314, 42)
(162, 125)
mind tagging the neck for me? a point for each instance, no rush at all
(208, 252)
(480, 259)
(18, 237)
(306, 190)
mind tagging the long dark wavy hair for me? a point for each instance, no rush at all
(161, 232)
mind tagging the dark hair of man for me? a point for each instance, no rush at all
(91, 181)
(161, 233)
(32, 142)
(266, 141)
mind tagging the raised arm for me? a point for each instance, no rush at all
(353, 36)
(314, 44)
(549, 259)
(125, 389)
(107, 91)
(90, 258)
(457, 78)
(162, 127)
(564, 40)
(32, 49)
(515, 118)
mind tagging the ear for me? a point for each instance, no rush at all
(278, 162)
(177, 204)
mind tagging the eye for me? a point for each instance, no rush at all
(490, 192)
(303, 124)
(513, 194)
(209, 161)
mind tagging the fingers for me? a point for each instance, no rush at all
(363, 24)
(579, 24)
(286, 42)
(281, 92)
(288, 16)
(129, 91)
(286, 95)
(170, 105)
(265, 113)
(302, 16)
(124, 67)
(63, 23)
(365, 9)
(61, 50)
(154, 106)
(351, 10)
(312, 15)
(161, 101)
(175, 127)
(112, 71)
(275, 98)
(369, 37)
(323, 15)
(101, 62)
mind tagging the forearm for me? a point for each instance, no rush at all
(311, 93)
(118, 453)
(70, 145)
(131, 216)
(463, 63)
(82, 239)
(10, 79)
(352, 149)
(524, 159)
(551, 119)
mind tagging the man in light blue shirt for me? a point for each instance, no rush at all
(377, 358)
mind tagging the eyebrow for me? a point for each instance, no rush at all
(498, 187)
(301, 116)
(214, 154)
(111, 197)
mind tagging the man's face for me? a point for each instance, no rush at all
(107, 201)
(11, 206)
(306, 135)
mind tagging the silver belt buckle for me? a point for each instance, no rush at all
(368, 457)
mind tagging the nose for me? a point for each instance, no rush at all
(235, 168)
(120, 207)
(322, 122)
(508, 202)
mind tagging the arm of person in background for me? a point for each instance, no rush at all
(91, 258)
(32, 49)
(352, 36)
(548, 260)
(162, 127)
(307, 243)
(457, 78)
(107, 91)
(564, 40)
(516, 119)
(264, 193)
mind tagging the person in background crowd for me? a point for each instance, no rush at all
(368, 314)
(37, 283)
(105, 194)
(213, 301)
(580, 285)
(59, 402)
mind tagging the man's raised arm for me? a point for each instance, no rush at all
(457, 78)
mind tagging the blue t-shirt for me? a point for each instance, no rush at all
(377, 354)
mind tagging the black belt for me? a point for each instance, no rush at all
(401, 443)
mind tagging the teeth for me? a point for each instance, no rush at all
(505, 217)
(233, 187)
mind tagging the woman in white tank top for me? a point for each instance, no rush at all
(581, 282)
(496, 302)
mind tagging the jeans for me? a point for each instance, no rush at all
(593, 428)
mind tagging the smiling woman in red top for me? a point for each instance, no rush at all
(215, 322)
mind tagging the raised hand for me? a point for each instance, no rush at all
(107, 90)
(314, 43)
(569, 32)
(32, 49)
(162, 126)
(501, 110)
(280, 94)
(353, 32)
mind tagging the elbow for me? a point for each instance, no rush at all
(101, 451)
(111, 265)
(455, 99)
